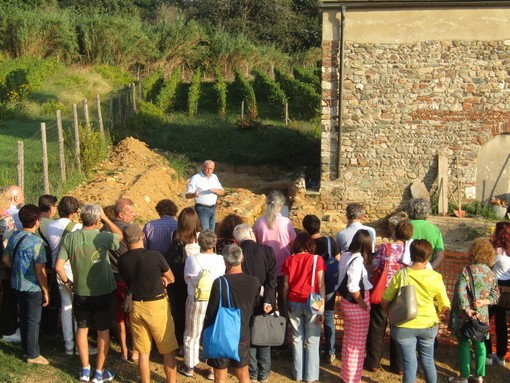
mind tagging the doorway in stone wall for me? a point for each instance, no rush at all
(493, 169)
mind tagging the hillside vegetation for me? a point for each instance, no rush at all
(198, 71)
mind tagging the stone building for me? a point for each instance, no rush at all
(414, 80)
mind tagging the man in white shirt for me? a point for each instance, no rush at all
(205, 188)
(67, 211)
(355, 214)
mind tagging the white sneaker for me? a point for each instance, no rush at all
(92, 351)
(14, 338)
(499, 361)
(488, 361)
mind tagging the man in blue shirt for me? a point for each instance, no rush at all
(26, 255)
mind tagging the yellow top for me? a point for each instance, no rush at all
(429, 287)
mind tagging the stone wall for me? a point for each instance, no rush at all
(403, 104)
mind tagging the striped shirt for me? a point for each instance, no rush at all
(158, 233)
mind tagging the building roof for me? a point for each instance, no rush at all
(412, 3)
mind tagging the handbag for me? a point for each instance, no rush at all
(315, 302)
(221, 339)
(378, 280)
(344, 292)
(268, 330)
(403, 308)
(504, 297)
(473, 328)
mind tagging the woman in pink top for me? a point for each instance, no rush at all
(276, 231)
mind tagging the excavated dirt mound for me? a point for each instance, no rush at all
(136, 172)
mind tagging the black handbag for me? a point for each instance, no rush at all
(267, 330)
(344, 292)
(473, 328)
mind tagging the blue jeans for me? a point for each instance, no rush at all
(207, 216)
(409, 340)
(329, 332)
(304, 329)
(260, 362)
(30, 310)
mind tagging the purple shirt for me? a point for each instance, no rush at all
(279, 238)
(158, 233)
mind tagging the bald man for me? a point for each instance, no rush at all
(125, 213)
(17, 200)
(205, 188)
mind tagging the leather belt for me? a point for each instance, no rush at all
(156, 298)
(209, 206)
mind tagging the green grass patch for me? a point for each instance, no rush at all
(210, 136)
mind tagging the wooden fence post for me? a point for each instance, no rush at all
(76, 137)
(99, 115)
(286, 114)
(61, 159)
(21, 165)
(112, 115)
(46, 183)
(86, 112)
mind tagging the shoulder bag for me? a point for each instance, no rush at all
(473, 328)
(221, 339)
(403, 307)
(344, 291)
(268, 330)
(315, 302)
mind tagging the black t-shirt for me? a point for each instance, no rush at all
(148, 272)
(244, 294)
(322, 247)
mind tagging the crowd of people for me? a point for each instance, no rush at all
(159, 284)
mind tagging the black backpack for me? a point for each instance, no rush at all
(176, 257)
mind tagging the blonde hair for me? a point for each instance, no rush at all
(5, 197)
(482, 252)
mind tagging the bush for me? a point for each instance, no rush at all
(152, 85)
(304, 101)
(220, 87)
(194, 92)
(265, 88)
(21, 76)
(248, 94)
(309, 76)
(166, 97)
(93, 148)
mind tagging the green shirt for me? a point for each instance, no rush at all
(87, 252)
(423, 229)
(429, 288)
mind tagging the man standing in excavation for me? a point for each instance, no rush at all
(205, 188)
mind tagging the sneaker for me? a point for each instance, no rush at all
(488, 361)
(457, 379)
(499, 361)
(210, 374)
(266, 379)
(105, 376)
(92, 351)
(85, 374)
(13, 338)
(185, 370)
(330, 358)
(69, 351)
(39, 360)
(475, 379)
